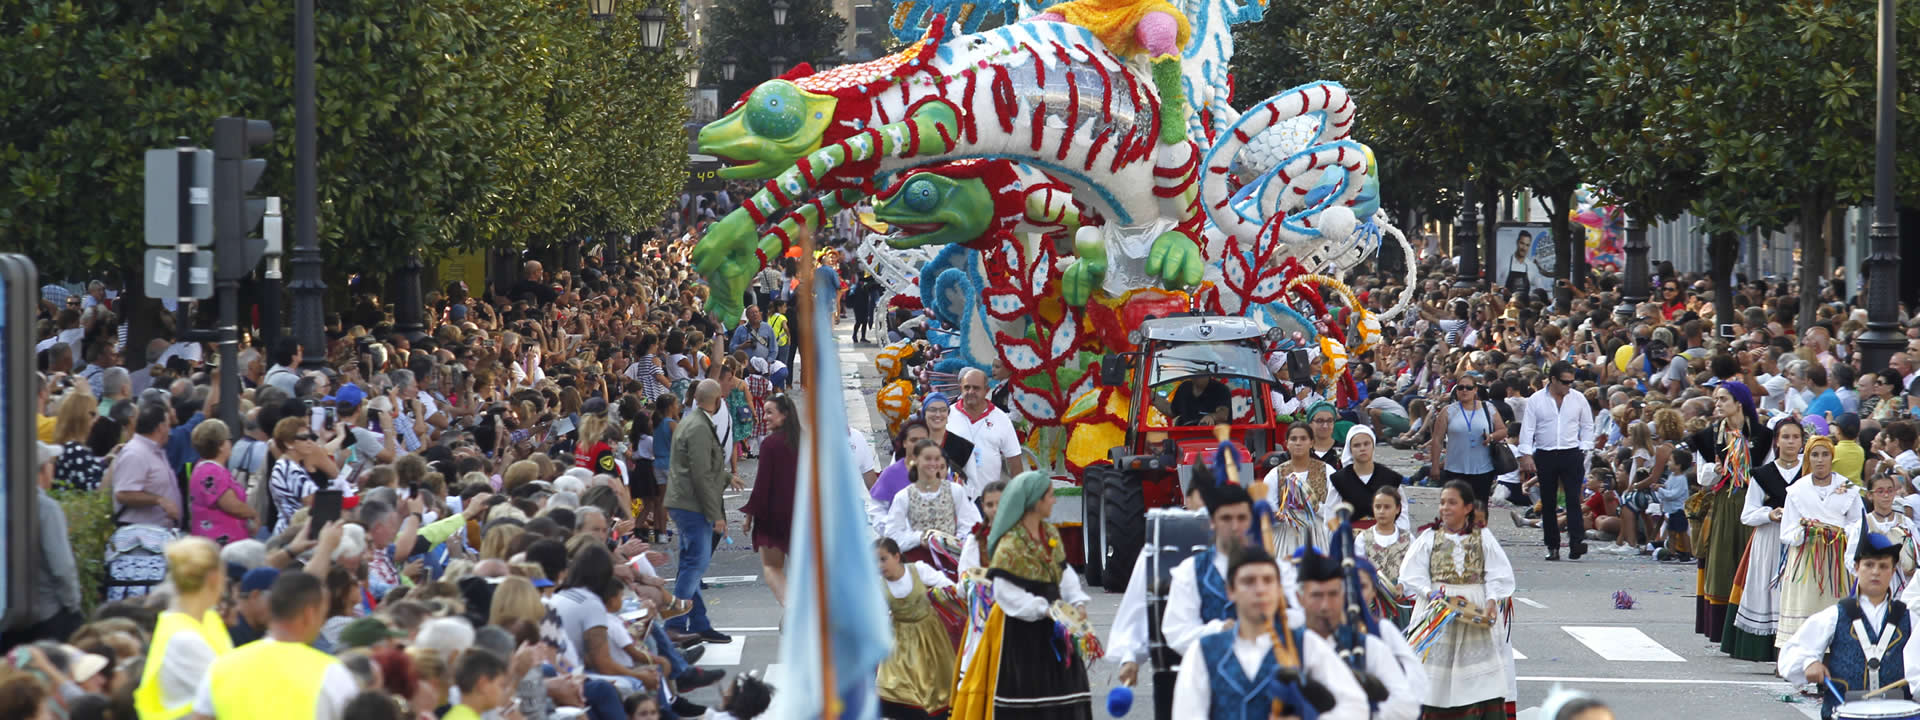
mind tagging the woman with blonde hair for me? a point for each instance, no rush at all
(493, 545)
(189, 635)
(1820, 525)
(77, 468)
(515, 598)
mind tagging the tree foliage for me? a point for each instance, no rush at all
(744, 30)
(442, 124)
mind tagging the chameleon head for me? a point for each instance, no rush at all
(776, 125)
(927, 208)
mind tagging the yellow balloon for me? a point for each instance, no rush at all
(1623, 356)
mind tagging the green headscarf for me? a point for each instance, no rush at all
(1022, 493)
(1315, 409)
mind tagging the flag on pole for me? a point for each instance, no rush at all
(837, 631)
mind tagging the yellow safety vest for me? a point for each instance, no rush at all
(269, 680)
(146, 698)
(779, 323)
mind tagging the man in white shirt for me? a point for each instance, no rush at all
(996, 449)
(1874, 651)
(863, 457)
(1555, 433)
(1209, 686)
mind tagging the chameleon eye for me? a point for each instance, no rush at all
(920, 195)
(776, 111)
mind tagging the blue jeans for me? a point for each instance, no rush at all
(696, 553)
(677, 666)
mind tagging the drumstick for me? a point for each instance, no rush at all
(1889, 687)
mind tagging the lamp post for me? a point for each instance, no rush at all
(1639, 276)
(780, 8)
(729, 67)
(602, 10)
(1466, 238)
(309, 318)
(653, 28)
(779, 65)
(1883, 338)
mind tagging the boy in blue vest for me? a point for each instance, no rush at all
(1233, 674)
(1859, 644)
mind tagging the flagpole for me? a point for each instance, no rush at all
(828, 697)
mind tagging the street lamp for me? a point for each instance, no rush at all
(780, 13)
(1883, 337)
(653, 27)
(728, 67)
(602, 10)
(779, 65)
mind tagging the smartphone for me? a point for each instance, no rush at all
(326, 509)
(317, 418)
(1726, 330)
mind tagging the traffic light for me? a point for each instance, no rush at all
(235, 213)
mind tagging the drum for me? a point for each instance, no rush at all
(1879, 709)
(1173, 535)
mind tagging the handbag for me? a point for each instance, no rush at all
(1500, 452)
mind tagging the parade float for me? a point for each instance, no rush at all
(1050, 185)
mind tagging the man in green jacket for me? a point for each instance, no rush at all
(697, 478)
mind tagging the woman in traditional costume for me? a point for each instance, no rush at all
(1323, 420)
(1756, 596)
(1729, 449)
(916, 681)
(1883, 518)
(1385, 545)
(1469, 666)
(1820, 526)
(1361, 478)
(1300, 491)
(1023, 667)
(929, 516)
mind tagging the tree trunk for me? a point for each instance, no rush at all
(1571, 252)
(1813, 256)
(1724, 250)
(1489, 227)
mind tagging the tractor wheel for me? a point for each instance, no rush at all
(1123, 519)
(1092, 482)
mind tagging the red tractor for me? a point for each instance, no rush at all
(1185, 366)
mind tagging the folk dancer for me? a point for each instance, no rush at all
(1820, 526)
(1728, 452)
(916, 681)
(1756, 617)
(1471, 666)
(1859, 644)
(1323, 593)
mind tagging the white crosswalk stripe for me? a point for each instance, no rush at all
(727, 655)
(1622, 644)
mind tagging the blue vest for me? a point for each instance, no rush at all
(1234, 695)
(1214, 604)
(1846, 660)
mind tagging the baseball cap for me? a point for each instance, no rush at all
(542, 583)
(349, 396)
(258, 579)
(594, 406)
(367, 631)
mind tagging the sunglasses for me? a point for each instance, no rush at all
(310, 437)
(1465, 388)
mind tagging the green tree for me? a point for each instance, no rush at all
(744, 31)
(442, 124)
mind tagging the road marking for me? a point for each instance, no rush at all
(738, 630)
(1621, 644)
(1651, 681)
(1530, 603)
(725, 580)
(1517, 655)
(724, 655)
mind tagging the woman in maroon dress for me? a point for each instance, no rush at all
(769, 509)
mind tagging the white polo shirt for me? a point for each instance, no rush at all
(993, 442)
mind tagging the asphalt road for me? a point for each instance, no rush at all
(1646, 662)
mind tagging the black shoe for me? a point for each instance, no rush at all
(685, 708)
(716, 637)
(684, 639)
(1553, 555)
(1578, 550)
(693, 654)
(697, 678)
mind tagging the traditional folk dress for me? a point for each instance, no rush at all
(945, 511)
(1756, 588)
(1469, 667)
(1865, 646)
(1228, 677)
(1820, 527)
(1301, 499)
(1732, 454)
(1900, 529)
(917, 679)
(1022, 668)
(1388, 553)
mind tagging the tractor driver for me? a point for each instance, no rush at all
(1200, 400)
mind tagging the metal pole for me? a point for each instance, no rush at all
(309, 290)
(1466, 238)
(1883, 337)
(409, 307)
(271, 281)
(1639, 277)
